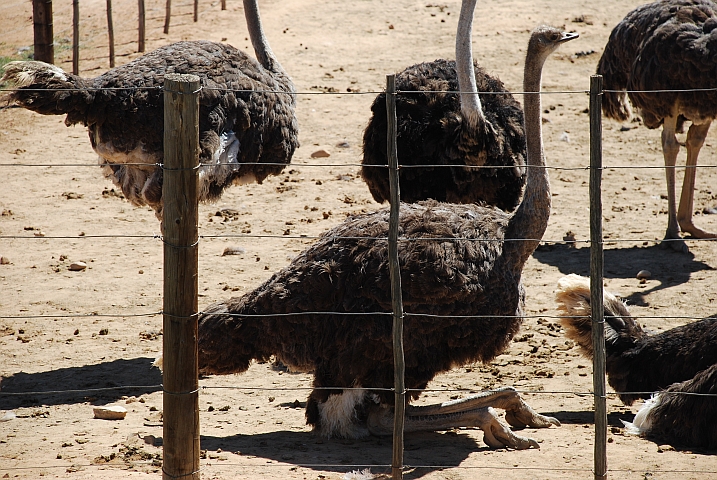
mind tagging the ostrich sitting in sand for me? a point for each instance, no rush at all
(668, 45)
(456, 261)
(679, 360)
(243, 136)
(441, 129)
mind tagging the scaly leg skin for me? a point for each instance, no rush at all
(473, 411)
(695, 139)
(670, 149)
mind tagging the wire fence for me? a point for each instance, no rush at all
(203, 388)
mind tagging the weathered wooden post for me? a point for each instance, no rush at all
(596, 277)
(141, 29)
(76, 37)
(179, 224)
(42, 26)
(399, 366)
(111, 33)
(196, 11)
(167, 15)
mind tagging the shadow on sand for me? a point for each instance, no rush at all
(668, 267)
(77, 384)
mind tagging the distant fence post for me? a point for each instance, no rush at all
(179, 223)
(111, 32)
(196, 11)
(224, 4)
(596, 277)
(167, 15)
(399, 365)
(76, 37)
(42, 26)
(141, 18)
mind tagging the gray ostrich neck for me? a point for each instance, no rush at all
(470, 102)
(530, 219)
(262, 50)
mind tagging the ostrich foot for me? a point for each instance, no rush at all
(675, 243)
(473, 411)
(695, 231)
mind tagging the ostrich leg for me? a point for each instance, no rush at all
(670, 149)
(695, 139)
(473, 411)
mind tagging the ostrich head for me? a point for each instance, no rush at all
(545, 40)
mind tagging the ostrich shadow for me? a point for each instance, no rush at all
(76, 384)
(308, 450)
(668, 268)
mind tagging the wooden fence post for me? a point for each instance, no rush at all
(141, 18)
(196, 11)
(111, 32)
(399, 366)
(179, 224)
(42, 26)
(596, 277)
(167, 15)
(76, 37)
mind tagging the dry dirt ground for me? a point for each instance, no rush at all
(68, 330)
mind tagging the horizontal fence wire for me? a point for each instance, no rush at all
(407, 314)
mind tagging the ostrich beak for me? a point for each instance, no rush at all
(567, 36)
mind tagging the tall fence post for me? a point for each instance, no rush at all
(75, 37)
(42, 27)
(141, 19)
(179, 224)
(167, 15)
(111, 33)
(596, 277)
(399, 366)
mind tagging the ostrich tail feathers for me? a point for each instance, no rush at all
(573, 299)
(45, 88)
(224, 344)
(615, 105)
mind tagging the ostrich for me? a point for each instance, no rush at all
(667, 45)
(244, 136)
(470, 269)
(437, 128)
(682, 359)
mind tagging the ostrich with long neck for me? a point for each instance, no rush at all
(458, 261)
(443, 137)
(247, 125)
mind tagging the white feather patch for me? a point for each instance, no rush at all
(338, 415)
(642, 423)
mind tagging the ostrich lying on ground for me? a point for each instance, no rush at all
(447, 129)
(469, 269)
(667, 45)
(244, 136)
(682, 359)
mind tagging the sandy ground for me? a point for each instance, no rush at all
(257, 429)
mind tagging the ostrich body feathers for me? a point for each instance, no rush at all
(244, 135)
(455, 275)
(432, 131)
(682, 359)
(665, 45)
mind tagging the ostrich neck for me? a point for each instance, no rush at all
(261, 46)
(531, 217)
(470, 102)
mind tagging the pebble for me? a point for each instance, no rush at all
(643, 275)
(115, 412)
(8, 416)
(77, 266)
(320, 154)
(4, 261)
(233, 251)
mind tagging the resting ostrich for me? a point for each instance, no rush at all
(667, 45)
(244, 136)
(682, 359)
(437, 128)
(459, 274)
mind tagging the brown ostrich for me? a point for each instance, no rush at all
(667, 45)
(244, 136)
(679, 360)
(470, 272)
(437, 128)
